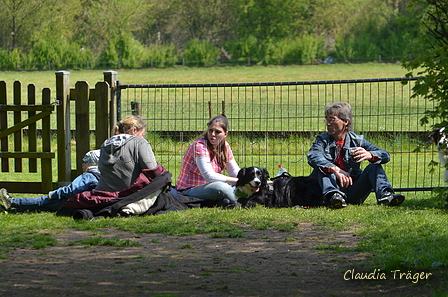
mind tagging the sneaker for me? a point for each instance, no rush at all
(6, 198)
(337, 201)
(391, 199)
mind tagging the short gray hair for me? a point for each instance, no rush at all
(342, 110)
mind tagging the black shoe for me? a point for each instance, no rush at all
(391, 199)
(6, 198)
(337, 201)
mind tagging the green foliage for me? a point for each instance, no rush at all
(380, 33)
(129, 33)
(5, 60)
(161, 56)
(244, 49)
(59, 52)
(200, 53)
(428, 56)
(312, 49)
(130, 51)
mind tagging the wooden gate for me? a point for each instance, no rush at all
(24, 142)
(76, 101)
(12, 139)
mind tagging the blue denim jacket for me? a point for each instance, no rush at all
(324, 151)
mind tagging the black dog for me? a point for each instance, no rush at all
(296, 191)
(285, 190)
(252, 186)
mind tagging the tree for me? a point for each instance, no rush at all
(20, 18)
(101, 22)
(428, 56)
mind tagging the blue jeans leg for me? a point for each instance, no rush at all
(372, 178)
(213, 191)
(39, 203)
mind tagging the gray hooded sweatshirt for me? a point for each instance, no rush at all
(122, 158)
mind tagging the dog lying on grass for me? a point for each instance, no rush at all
(254, 188)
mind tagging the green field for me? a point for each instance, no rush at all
(184, 75)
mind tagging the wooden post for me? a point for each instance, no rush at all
(210, 112)
(111, 77)
(4, 146)
(32, 135)
(82, 122)
(46, 168)
(63, 127)
(136, 108)
(102, 106)
(18, 137)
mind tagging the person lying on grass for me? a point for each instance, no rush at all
(87, 181)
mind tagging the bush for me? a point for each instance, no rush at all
(312, 48)
(200, 53)
(161, 56)
(15, 59)
(306, 49)
(5, 61)
(242, 50)
(130, 51)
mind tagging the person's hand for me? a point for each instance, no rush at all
(343, 177)
(360, 154)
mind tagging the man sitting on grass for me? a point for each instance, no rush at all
(336, 156)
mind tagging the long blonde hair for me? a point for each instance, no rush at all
(220, 152)
(126, 124)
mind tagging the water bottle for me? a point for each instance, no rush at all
(281, 170)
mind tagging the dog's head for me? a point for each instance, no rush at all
(251, 180)
(438, 136)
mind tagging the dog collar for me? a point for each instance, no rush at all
(240, 194)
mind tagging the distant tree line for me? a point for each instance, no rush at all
(41, 34)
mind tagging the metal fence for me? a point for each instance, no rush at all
(275, 123)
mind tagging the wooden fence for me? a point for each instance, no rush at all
(27, 128)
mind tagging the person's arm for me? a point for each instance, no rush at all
(316, 159)
(209, 174)
(379, 155)
(342, 176)
(232, 168)
(146, 158)
(84, 182)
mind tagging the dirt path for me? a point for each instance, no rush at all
(263, 263)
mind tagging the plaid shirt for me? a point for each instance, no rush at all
(190, 176)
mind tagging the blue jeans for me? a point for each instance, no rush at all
(373, 178)
(213, 191)
(39, 203)
(84, 182)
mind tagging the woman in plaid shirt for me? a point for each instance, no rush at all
(204, 162)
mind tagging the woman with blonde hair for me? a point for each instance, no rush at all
(201, 174)
(124, 155)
